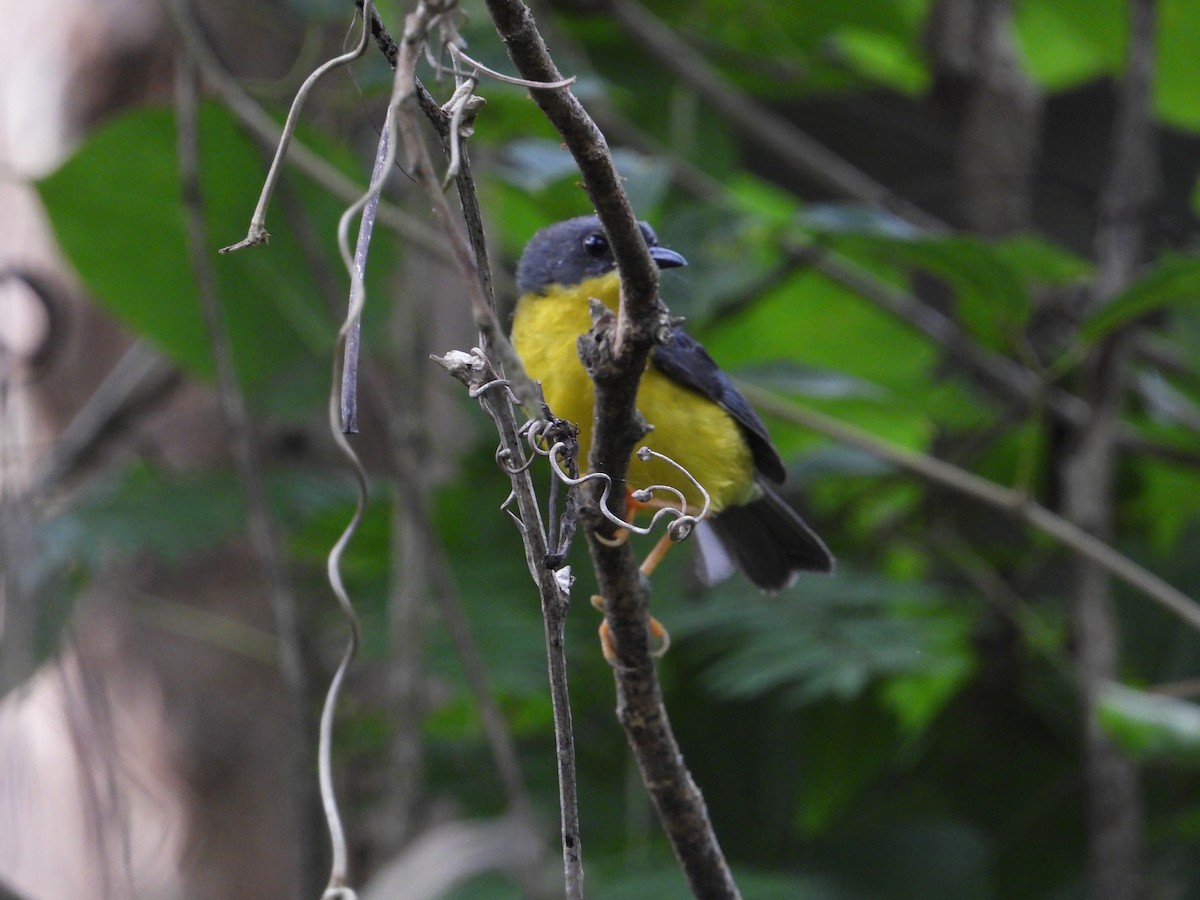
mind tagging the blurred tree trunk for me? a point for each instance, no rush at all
(1116, 821)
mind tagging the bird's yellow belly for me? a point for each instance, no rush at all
(689, 428)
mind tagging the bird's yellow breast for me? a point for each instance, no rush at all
(688, 427)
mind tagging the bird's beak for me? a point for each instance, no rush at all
(667, 259)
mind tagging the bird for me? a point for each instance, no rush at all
(698, 417)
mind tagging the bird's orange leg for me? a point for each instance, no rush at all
(657, 631)
(656, 555)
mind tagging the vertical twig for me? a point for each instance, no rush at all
(475, 371)
(1116, 825)
(366, 228)
(996, 107)
(337, 885)
(236, 416)
(413, 555)
(402, 116)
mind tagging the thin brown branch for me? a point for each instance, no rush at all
(554, 602)
(639, 277)
(998, 373)
(1002, 376)
(475, 371)
(383, 40)
(1004, 499)
(615, 354)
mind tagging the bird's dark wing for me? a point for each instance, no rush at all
(684, 360)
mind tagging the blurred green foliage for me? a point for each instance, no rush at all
(896, 731)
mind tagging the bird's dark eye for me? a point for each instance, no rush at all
(595, 244)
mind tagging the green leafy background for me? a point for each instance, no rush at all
(886, 733)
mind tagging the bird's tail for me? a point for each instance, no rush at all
(766, 539)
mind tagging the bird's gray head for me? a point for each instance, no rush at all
(575, 250)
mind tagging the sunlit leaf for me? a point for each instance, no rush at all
(1178, 48)
(884, 58)
(1174, 281)
(989, 294)
(814, 323)
(1151, 726)
(1067, 42)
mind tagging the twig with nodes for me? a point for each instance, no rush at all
(400, 123)
(475, 370)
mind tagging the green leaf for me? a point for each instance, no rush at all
(1175, 280)
(988, 279)
(813, 322)
(884, 58)
(1068, 42)
(990, 295)
(1042, 261)
(1151, 726)
(1178, 47)
(116, 210)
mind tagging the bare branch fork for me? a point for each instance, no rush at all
(477, 372)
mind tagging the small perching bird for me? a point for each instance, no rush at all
(699, 419)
